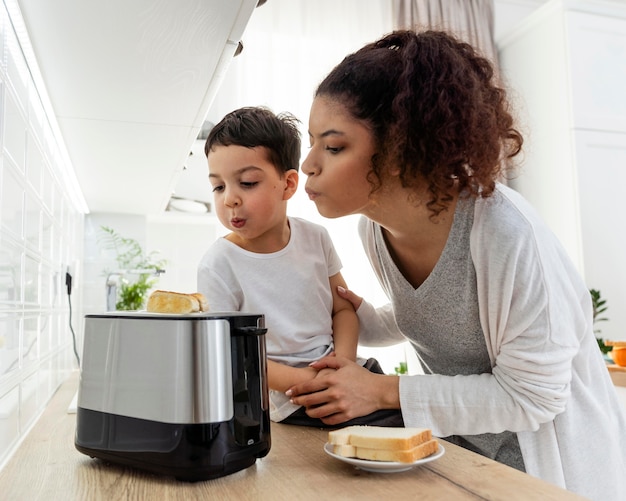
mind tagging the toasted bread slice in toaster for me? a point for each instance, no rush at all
(176, 302)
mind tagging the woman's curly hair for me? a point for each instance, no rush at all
(435, 111)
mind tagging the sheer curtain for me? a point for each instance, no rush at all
(470, 20)
(289, 47)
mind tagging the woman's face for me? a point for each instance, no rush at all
(339, 160)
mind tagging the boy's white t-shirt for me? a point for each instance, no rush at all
(289, 287)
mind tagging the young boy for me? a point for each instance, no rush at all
(283, 267)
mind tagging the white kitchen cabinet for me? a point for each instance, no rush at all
(566, 67)
(601, 166)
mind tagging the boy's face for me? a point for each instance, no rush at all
(250, 194)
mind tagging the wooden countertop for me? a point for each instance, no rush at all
(48, 467)
(618, 374)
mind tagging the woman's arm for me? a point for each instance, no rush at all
(345, 322)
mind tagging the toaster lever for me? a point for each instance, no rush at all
(256, 331)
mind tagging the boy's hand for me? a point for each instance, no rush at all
(280, 376)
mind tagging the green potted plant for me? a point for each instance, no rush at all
(137, 274)
(401, 368)
(599, 307)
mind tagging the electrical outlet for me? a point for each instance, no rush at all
(69, 277)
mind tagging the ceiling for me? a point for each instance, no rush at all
(130, 83)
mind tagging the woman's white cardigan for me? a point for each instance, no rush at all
(549, 382)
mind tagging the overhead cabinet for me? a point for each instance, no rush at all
(130, 83)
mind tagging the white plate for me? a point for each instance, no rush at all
(383, 466)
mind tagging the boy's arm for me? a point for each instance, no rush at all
(345, 338)
(281, 377)
(345, 322)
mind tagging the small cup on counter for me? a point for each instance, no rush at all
(618, 353)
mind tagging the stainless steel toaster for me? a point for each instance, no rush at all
(181, 395)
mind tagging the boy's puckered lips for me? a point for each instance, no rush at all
(237, 222)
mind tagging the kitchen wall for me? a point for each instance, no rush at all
(40, 239)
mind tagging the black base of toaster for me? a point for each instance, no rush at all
(189, 452)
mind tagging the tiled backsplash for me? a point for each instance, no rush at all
(41, 238)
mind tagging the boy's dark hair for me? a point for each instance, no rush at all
(258, 126)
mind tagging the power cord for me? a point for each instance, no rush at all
(68, 284)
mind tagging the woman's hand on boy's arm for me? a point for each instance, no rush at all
(345, 321)
(350, 296)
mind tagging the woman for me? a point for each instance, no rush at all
(412, 132)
